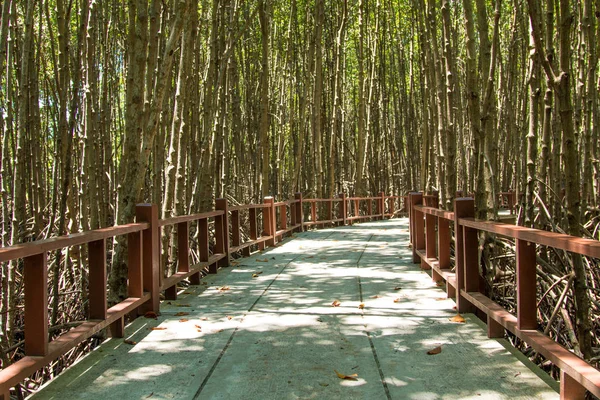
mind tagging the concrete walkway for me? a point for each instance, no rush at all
(266, 329)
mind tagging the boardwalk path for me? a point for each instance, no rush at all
(277, 336)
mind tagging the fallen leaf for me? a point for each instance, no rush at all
(397, 300)
(255, 275)
(187, 293)
(258, 273)
(517, 374)
(182, 313)
(131, 342)
(204, 319)
(261, 260)
(310, 257)
(324, 384)
(353, 377)
(223, 288)
(220, 330)
(361, 306)
(182, 305)
(198, 327)
(376, 296)
(457, 318)
(336, 303)
(204, 283)
(439, 283)
(440, 299)
(158, 328)
(397, 288)
(437, 350)
(151, 314)
(229, 317)
(183, 320)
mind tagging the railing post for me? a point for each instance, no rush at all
(268, 220)
(150, 254)
(382, 206)
(299, 211)
(343, 208)
(330, 211)
(203, 245)
(235, 228)
(570, 389)
(97, 279)
(430, 239)
(417, 226)
(526, 285)
(222, 232)
(36, 304)
(253, 231)
(134, 265)
(463, 208)
(370, 208)
(283, 218)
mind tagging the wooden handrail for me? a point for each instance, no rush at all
(463, 285)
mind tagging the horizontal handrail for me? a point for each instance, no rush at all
(30, 249)
(189, 218)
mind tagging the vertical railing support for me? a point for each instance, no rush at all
(416, 225)
(430, 240)
(463, 208)
(222, 232)
(313, 212)
(203, 245)
(97, 279)
(370, 207)
(36, 304)
(382, 205)
(526, 285)
(134, 264)
(570, 389)
(268, 216)
(343, 211)
(393, 206)
(283, 218)
(235, 228)
(299, 211)
(150, 254)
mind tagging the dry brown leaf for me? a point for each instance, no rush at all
(229, 317)
(440, 299)
(223, 288)
(158, 328)
(182, 305)
(186, 293)
(198, 327)
(458, 318)
(397, 288)
(361, 306)
(151, 314)
(353, 377)
(182, 313)
(437, 350)
(336, 303)
(131, 342)
(397, 300)
(262, 260)
(204, 319)
(255, 275)
(376, 296)
(183, 320)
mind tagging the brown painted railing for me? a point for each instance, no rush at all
(431, 248)
(146, 276)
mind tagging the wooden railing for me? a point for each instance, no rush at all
(147, 278)
(430, 237)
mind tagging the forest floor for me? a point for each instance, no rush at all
(279, 324)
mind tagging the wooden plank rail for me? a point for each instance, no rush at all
(430, 225)
(145, 276)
